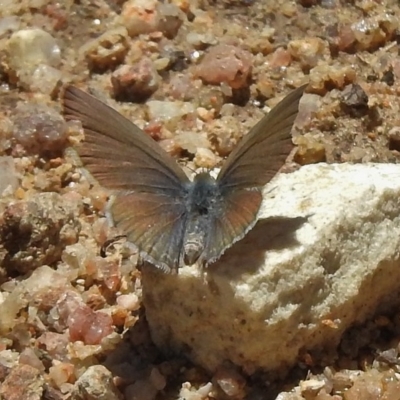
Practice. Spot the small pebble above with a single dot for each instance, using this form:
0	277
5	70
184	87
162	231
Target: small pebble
167	110
135	82
31	47
107	51
230	381
354	100
39	128
27	49
146	16
96	383
309	51
226	63
89	326
309	151
325	77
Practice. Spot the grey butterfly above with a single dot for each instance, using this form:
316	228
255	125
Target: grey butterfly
171	219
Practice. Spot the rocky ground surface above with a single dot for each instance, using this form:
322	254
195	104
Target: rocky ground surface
195	76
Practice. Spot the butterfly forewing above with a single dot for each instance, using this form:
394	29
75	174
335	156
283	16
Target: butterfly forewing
263	151
118	153
150	187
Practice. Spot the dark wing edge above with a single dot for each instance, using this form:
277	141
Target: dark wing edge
262	152
115	151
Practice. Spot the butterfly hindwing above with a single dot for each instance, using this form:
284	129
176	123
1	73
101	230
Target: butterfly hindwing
154	224
239	216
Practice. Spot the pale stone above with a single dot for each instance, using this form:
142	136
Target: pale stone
96	383
31	47
44	281
324	256
167	110
45	79
33	54
146	16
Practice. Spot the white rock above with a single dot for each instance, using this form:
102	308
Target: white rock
293	283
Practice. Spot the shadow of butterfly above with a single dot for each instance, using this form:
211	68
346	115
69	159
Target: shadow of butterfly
170	219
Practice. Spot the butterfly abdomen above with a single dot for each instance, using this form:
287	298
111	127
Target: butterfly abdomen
203	202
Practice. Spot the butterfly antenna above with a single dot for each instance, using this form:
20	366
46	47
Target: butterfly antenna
108	243
190	169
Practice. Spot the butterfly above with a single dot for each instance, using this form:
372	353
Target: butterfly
170	219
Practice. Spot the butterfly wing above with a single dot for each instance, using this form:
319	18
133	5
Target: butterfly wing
263	151
117	152
253	163
150	186
238	217
153	225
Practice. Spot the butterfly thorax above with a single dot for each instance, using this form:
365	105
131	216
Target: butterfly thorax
203	203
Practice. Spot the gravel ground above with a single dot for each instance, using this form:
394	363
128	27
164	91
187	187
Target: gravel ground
195	76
